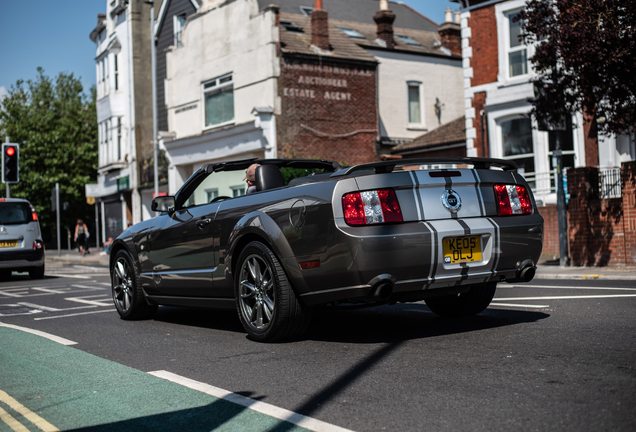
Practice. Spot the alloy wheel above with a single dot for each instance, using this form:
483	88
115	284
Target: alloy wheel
122	285
257	292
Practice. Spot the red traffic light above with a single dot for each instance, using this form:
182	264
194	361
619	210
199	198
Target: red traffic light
10	151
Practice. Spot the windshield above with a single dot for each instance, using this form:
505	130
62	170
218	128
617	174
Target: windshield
13	213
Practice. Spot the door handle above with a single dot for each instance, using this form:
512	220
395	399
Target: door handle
203	222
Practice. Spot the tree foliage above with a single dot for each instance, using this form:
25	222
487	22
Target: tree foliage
55	124
585	59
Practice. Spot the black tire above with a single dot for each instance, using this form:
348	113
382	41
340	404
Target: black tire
267	305
36	272
127	293
474	301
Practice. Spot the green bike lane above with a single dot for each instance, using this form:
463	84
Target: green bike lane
45	385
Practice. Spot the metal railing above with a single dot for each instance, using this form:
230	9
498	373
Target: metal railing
609	183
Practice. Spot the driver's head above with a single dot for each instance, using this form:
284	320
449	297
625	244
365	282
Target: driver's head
250	174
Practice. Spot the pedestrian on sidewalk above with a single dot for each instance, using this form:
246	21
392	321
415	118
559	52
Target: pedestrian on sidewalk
80	236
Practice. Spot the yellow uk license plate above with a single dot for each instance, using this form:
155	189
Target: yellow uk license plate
462	249
8	243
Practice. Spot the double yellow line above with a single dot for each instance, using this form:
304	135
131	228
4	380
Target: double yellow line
25	412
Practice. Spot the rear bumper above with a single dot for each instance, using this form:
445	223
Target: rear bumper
21	260
409	257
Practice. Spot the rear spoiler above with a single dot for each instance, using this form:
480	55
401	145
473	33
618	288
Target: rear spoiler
382	167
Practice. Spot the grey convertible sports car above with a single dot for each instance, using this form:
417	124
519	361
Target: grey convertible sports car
443	230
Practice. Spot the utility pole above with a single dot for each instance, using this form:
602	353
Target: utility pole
57	216
153	55
8	192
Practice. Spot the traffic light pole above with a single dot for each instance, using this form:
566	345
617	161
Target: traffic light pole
8	193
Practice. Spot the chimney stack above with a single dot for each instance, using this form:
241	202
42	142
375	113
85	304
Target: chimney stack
320	27
384	19
450	34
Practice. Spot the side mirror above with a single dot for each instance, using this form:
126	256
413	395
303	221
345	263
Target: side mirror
162	203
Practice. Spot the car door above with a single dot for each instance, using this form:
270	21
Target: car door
184	250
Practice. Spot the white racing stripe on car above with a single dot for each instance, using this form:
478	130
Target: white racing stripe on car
264	408
480	197
49	336
496	248
416	197
434	252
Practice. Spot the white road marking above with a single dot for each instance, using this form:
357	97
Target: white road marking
72	315
568	287
52	291
74	276
84	299
519	305
49	336
565	297
87	287
12	294
261	407
52	309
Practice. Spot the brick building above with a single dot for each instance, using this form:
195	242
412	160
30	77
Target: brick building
346	83
497	74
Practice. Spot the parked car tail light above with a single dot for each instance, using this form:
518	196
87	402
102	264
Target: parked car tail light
512	200
38	244
371	207
34	215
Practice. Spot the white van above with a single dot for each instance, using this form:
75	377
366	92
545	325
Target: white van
21	245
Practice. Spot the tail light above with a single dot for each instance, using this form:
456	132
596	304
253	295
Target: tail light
512	200
38	244
371	207
34	215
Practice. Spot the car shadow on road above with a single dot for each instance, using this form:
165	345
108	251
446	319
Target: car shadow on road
383	324
226	320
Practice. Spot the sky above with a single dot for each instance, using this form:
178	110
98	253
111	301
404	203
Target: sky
54	34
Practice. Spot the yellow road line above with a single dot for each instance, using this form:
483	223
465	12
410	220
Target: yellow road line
13	423
28	414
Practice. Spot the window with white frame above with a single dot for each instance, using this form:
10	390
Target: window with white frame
178	24
517	145
218	100
516	49
237	190
106	85
119	149
416	116
211	194
116	64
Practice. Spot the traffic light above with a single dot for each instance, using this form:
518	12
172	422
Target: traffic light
10	163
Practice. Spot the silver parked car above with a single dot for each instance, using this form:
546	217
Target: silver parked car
445	231
21	245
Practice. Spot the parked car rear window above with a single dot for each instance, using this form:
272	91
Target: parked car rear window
13	213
